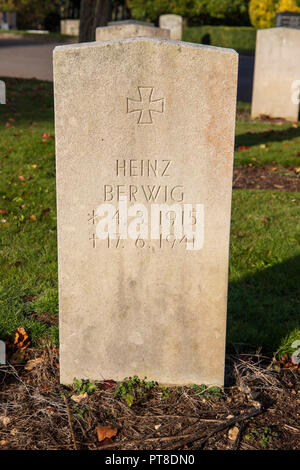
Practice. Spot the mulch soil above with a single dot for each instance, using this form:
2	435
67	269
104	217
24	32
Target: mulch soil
266	178
259	410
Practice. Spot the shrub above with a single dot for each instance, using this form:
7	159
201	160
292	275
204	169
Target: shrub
262	13
31	13
228	11
240	38
231	12
288	5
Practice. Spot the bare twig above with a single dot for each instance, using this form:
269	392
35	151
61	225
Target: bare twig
245	416
193	438
291	428
238	437
70	422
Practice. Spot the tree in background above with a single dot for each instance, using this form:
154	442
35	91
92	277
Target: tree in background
195	11
7	5
150	10
262	13
32	14
93	13
288	5
230	12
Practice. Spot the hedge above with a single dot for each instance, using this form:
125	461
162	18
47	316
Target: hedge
240	38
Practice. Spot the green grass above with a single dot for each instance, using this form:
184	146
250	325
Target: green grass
28	263
240	38
20	33
267	143
264	287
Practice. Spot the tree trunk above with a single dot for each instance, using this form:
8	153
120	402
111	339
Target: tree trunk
93	13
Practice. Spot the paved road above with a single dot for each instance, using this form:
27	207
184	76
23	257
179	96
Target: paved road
33	59
26	59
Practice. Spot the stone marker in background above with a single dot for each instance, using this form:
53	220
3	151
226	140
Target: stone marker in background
131	21
288	19
130	29
276	73
174	24
70	27
2	92
144	148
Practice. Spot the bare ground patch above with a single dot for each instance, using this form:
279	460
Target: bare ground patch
266	178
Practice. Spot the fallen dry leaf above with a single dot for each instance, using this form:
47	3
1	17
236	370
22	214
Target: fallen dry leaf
107	384
233	433
5	420
79	398
243	147
105	432
21	340
33	217
33	363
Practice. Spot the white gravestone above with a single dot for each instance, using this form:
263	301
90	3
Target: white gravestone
277	74
174	24
130	29
144	149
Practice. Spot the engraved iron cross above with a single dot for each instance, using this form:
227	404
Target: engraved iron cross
145	106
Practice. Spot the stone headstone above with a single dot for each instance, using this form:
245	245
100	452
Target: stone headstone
131	21
2	352
276	72
8	20
144	148
288	19
130	29
70	27
2	92
174	24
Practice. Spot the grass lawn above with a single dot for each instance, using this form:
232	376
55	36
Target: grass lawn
18	33
265	142
264	290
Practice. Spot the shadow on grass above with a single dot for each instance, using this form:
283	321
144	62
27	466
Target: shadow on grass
271	135
263	308
27	101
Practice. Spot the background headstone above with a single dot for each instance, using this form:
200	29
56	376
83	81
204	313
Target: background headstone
8	20
70	27
277	67
2	352
2	92
144	121
130	29
174	24
288	19
131	21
